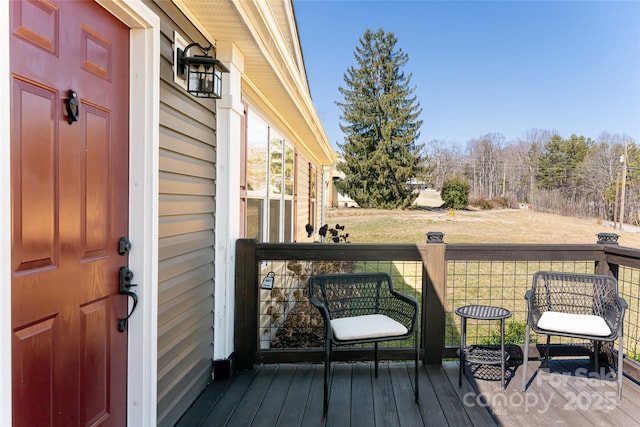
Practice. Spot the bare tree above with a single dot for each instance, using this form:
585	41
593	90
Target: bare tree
514	172
534	139
484	154
597	176
444	160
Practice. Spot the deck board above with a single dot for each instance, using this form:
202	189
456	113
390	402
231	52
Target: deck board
361	396
385	411
294	406
245	412
291	395
453	408
339	413
313	409
432	413
275	396
478	413
408	411
228	401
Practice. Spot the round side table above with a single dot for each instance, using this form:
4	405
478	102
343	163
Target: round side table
476	354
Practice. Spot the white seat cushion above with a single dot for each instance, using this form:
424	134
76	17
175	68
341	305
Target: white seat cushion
580	324
367	326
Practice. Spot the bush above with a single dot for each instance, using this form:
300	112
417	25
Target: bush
485	204
494	203
503	202
514	334
455	193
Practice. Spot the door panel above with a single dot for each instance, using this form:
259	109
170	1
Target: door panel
33	357
69	209
95	191
94	363
34	203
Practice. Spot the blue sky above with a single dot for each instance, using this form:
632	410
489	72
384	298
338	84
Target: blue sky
482	67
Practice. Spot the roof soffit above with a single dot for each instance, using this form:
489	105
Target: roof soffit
266	33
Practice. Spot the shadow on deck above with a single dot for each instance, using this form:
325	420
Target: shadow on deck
291	395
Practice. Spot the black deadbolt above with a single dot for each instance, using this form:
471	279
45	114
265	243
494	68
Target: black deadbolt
124	246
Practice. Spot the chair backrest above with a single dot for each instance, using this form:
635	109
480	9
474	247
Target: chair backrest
574	293
353	294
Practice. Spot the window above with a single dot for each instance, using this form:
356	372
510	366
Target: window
275	164
257	134
274	220
289	166
312	195
257	137
288	221
270	183
255	213
289	172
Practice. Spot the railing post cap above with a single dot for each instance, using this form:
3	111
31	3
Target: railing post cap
435	237
608	238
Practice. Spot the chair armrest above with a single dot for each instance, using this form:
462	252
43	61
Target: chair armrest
321	307
325	315
533	309
411	302
408	298
528	295
621	308
613	314
622	302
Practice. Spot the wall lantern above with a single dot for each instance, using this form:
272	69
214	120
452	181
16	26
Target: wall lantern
202	72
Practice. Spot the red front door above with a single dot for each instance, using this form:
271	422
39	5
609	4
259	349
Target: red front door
69	209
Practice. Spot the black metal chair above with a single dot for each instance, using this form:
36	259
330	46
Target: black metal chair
362	308
584	306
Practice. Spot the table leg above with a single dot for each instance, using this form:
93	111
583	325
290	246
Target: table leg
502	361
463	339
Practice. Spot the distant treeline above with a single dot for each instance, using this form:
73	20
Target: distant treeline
573	176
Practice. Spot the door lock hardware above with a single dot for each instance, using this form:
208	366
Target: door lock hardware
126	276
73	107
124	246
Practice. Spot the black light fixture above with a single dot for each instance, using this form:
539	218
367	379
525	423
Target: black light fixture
202	72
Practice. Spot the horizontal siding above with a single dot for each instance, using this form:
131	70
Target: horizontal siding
172	226
183	263
174	246
180	360
186	231
172	204
190	305
184	165
185	388
179	102
174	287
187	146
189	319
172	183
180	122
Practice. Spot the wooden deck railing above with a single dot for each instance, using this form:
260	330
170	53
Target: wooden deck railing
449	275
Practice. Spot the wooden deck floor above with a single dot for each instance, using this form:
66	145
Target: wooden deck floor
291	395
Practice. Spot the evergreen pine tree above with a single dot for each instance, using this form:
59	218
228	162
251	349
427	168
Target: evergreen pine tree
380	122
558	165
